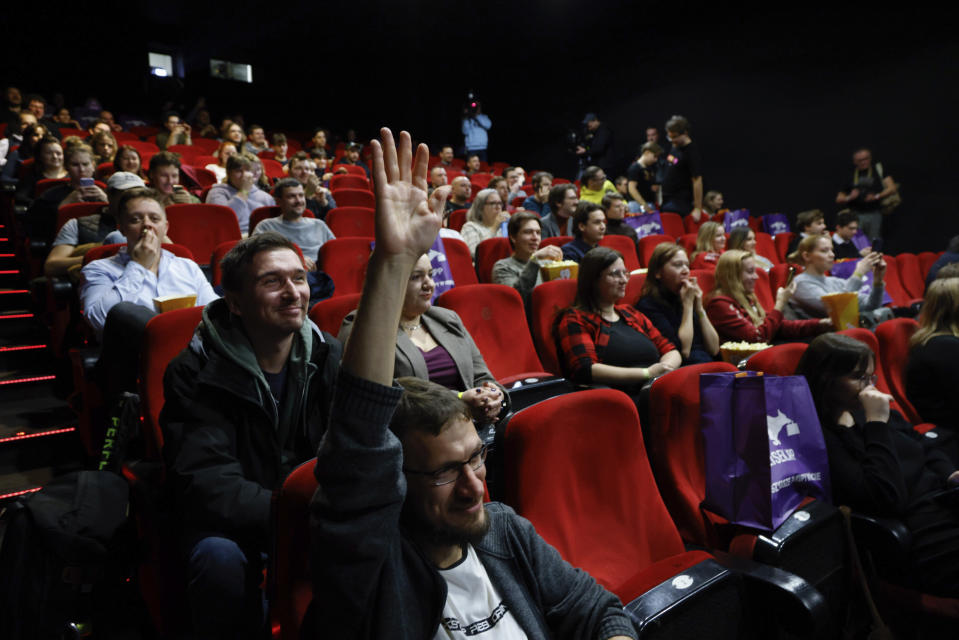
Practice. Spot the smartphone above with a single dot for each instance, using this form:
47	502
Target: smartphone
790	274
87	182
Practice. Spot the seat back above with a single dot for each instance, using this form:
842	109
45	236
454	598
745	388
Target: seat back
648	244
351	222
201	227
328	314
569	459
705	278
869	338
272	169
910	275
547	301
494	317
45	184
893	285
221	250
77	210
674	443
634	288
766	246
344	260
487	253
672	224
893	338
460	261
290	582
688	243
558	241
626	246
349	181
166	335
782	241
926	260
354	198
457	219
691	225
778	360
763	291
778	275
351	169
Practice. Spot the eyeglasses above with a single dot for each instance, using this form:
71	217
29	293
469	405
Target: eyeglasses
868	379
453	471
618	274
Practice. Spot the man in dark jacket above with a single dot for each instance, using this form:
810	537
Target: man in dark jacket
403	544
244	404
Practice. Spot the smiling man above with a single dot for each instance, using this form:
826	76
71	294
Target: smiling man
309	234
245	403
403	544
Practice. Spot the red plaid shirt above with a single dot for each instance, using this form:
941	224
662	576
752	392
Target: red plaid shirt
582	337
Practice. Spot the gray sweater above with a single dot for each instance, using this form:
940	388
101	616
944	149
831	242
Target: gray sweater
807	302
372	581
522	276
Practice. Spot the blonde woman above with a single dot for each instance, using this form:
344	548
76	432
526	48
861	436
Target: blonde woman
932	371
735	312
710	243
485	216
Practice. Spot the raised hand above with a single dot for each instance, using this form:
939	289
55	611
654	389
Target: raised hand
405	224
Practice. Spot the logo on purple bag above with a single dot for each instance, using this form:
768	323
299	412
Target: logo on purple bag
775	424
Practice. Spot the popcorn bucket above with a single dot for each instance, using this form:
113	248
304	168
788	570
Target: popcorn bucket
559	270
843	309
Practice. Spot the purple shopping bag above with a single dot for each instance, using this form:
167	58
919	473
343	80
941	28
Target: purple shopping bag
737	218
763	445
860	241
774	223
844	268
646	224
441	273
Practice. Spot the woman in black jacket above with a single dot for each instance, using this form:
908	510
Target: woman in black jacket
878	464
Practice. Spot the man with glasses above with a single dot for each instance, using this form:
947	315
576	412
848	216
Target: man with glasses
403	544
595	185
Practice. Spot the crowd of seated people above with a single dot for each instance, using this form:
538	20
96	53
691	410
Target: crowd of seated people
600	340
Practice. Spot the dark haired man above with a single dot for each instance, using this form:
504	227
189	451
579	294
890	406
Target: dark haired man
562	204
244	404
614	206
446	156
164	176
403	544
352	156
38	107
643	177
256	140
847	224
589	227
309	234
176	131
683	179
596	148
539	202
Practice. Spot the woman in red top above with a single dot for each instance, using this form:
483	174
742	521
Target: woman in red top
710	243
736	313
603	342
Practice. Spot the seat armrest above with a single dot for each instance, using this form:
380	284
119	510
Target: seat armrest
796	606
886	537
803	521
652	610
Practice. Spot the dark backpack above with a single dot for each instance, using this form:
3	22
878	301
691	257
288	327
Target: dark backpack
61	542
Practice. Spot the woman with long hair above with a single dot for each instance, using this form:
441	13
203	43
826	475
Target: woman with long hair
710	243
128	159
736	312
818	258
878	463
602	341
745	238
932	371
673	301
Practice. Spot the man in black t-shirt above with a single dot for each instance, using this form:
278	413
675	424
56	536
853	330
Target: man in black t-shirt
683	182
643	182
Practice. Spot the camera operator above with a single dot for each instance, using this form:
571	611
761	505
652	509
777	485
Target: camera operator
595	145
476	124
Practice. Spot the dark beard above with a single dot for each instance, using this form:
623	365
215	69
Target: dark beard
445	536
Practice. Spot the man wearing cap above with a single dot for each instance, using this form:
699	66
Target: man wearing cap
597	142
352	156
79	235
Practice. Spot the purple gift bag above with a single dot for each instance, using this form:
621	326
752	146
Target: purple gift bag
763	445
860	241
646	224
441	273
735	219
844	268
774	223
